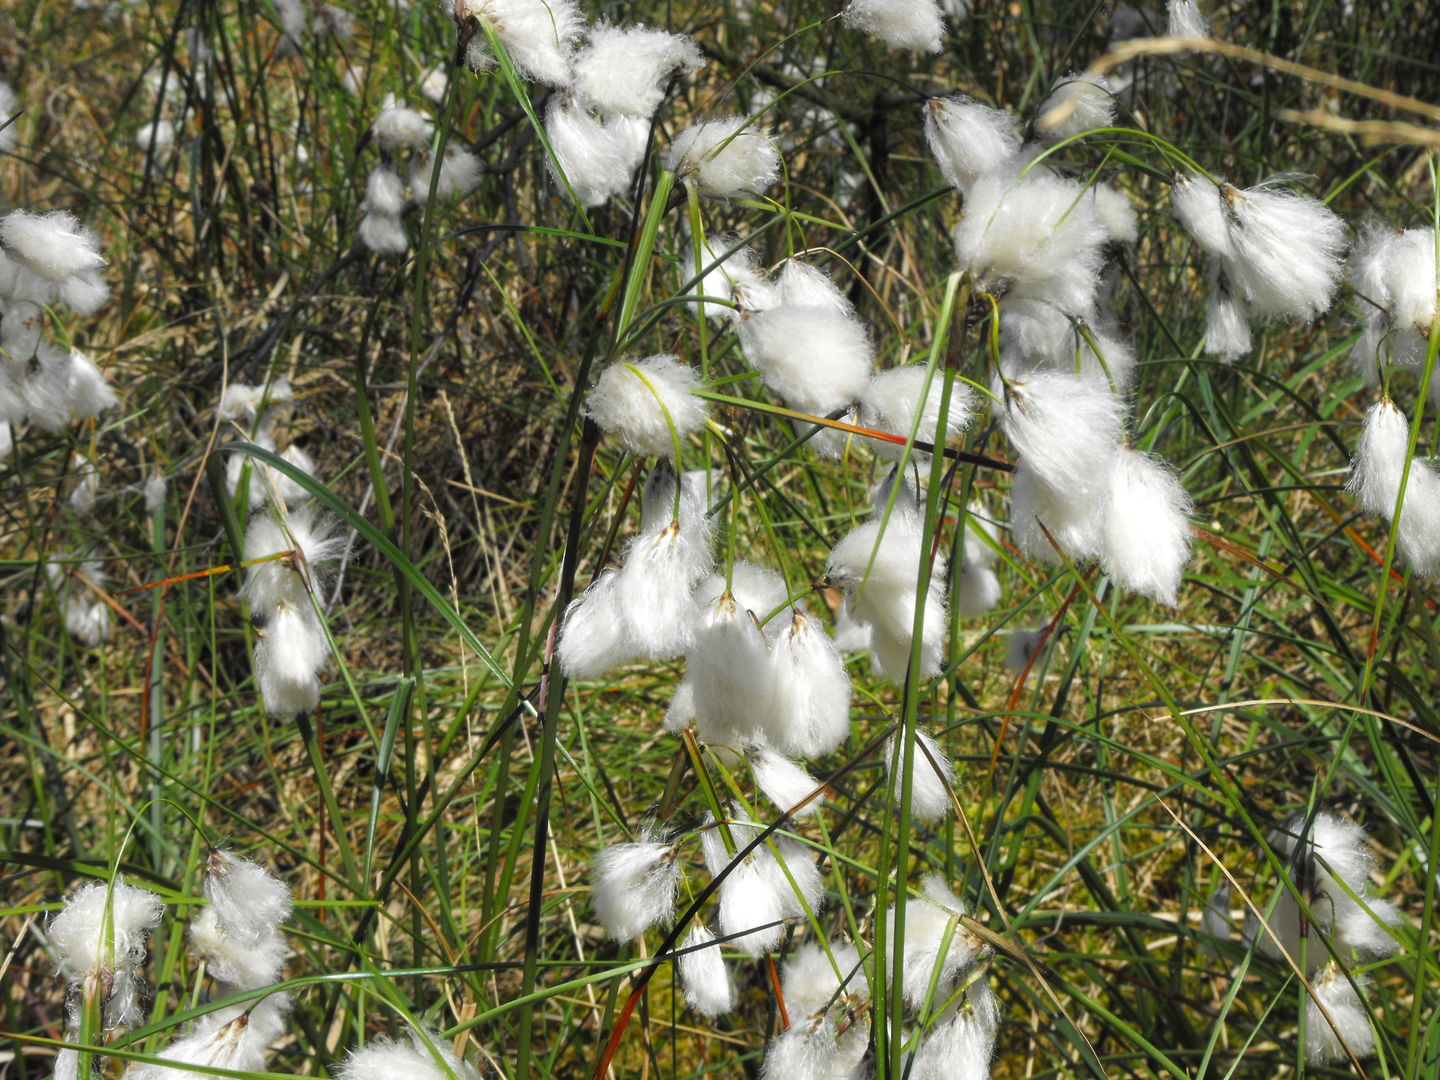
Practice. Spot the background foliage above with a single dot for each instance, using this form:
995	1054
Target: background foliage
436	819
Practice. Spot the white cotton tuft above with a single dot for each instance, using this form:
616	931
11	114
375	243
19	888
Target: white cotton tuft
810	710
1335	865
250	902
1146	540
219	1040
803	285
1034	236
736	279
1022	648
1285	251
644	610
812	1050
9	107
401	128
1036	336
960	1047
1227	322
538	35
977	590
434	84
792	873
704	978
1074	521
594	157
289	655
333	21
593	637
902	24
1066	428
1183	19
240	964
52	245
1380	460
784	783
383	234
730	668
459	173
932	777
641	401
750	908
1077	103
893	399
1326	1040
812	978
239	400
103	929
156	487
926	956
624	70
722	160
815	358
1116	213
287	580
87	487
877	565
1394	274
90	392
1201	210
1375	475
969	139
155	138
634	887
384	191
427	1057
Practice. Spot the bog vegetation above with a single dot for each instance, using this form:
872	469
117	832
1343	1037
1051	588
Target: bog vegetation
549	539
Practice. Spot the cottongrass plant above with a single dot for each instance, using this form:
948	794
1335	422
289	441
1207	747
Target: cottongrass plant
758	693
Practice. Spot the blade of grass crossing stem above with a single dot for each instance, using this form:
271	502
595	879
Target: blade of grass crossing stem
639	274
399	706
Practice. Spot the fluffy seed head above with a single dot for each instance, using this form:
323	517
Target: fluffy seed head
623	70
595	157
704	979
1077	103
634	887
1201	211
892	401
1183	19
1066	428
51	245
1326	1040
1036	236
414	1057
736	279
816	359
641	401
103	929
902	24
877	566
401	128
538	35
932	776
1146	540
459	173
722	160
968	139
1285	251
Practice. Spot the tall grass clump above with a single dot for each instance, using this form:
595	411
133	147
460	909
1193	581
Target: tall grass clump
553	539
